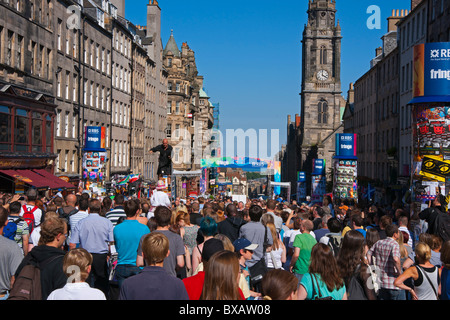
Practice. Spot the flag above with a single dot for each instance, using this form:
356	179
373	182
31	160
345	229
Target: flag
133	177
123	181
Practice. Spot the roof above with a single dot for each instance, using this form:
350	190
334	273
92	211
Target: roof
203	94
172	46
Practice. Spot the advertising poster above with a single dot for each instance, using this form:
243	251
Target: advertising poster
301	186
345	179
345	167
431	76
318	188
432	131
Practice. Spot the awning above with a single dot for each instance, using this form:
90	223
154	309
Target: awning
29	177
430	99
61	184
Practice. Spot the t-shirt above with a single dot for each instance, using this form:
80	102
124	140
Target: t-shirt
77	291
127	236
115	214
22	229
306	282
10	258
153	283
176	247
305	242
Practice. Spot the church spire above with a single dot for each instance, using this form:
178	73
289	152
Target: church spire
172	46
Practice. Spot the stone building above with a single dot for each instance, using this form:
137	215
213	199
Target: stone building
28	71
155	108
412	30
322	103
189	111
121	99
83	80
376	110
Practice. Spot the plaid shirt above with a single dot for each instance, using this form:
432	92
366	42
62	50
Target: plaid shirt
383	253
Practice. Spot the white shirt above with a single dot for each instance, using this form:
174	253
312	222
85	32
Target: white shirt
410	241
77	291
37	214
160	198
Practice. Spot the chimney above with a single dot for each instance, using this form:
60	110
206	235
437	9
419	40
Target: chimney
297	121
415	3
378	51
394	18
351	93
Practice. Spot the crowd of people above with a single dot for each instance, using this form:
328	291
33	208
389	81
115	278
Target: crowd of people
124	248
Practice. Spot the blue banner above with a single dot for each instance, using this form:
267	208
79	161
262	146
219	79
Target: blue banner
346	146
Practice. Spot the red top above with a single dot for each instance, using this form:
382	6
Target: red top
194	286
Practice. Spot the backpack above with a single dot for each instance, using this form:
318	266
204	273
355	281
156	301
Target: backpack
442	226
10	229
27	285
28	216
66	216
335	243
355	289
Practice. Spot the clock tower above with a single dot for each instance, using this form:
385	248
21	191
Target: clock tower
321	99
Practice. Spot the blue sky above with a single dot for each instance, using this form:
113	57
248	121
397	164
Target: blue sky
249	51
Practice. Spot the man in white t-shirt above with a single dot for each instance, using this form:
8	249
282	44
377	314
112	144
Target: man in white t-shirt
31	196
159	198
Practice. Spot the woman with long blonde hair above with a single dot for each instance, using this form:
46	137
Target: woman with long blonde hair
275	255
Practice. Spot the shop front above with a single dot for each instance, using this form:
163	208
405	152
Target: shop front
26	141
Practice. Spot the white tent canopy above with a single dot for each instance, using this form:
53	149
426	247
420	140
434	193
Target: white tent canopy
196	173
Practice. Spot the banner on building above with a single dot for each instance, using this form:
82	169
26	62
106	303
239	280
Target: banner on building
346	145
431	69
435	168
318	167
95	139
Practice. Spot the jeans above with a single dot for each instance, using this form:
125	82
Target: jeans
390	294
125	271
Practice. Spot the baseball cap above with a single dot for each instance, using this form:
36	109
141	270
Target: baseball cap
243	243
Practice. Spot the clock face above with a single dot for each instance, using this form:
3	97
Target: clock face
322	75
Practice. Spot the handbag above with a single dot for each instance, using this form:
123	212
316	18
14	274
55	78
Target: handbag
314	296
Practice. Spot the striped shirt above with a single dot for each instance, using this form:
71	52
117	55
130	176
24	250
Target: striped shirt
74	219
115	214
383	253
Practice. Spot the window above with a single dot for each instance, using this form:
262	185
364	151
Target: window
169	130
323	55
19	52
36	131
9	47
323	112
5	128
20	130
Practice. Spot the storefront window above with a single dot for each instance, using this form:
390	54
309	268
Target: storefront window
48	133
21	141
5	128
36	132
25	131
